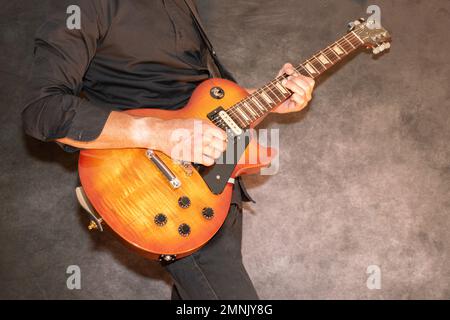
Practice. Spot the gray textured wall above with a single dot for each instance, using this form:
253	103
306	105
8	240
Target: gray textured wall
364	177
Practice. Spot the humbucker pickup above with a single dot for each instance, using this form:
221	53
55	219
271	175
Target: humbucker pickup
227	123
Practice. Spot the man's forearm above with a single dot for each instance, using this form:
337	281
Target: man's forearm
123	131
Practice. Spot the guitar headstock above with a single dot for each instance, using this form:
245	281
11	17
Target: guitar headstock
374	36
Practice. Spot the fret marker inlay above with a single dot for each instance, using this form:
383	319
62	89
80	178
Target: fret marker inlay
243	114
281	88
258	104
247	107
338	50
323	59
264	95
310	68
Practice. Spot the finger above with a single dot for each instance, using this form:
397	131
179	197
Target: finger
311	81
198	156
293	86
293	106
307	84
215	132
211	152
282	108
217	144
287	68
207	161
300	86
298	101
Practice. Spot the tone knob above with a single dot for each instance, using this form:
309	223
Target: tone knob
160	219
184	230
184	202
208	213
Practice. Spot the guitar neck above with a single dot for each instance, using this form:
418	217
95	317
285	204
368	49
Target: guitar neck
271	95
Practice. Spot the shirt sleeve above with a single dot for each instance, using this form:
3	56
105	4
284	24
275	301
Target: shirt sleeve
61	57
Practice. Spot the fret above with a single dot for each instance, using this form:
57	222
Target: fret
331	51
304	69
268	86
257	96
345	38
342	50
247	106
324	59
357	37
242	114
355	41
314	62
310	68
260	107
252	105
329	57
266	97
247	112
281	88
320	63
235	116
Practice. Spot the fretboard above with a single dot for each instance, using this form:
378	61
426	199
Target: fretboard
271	95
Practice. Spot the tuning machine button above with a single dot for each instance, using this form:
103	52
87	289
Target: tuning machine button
377	50
208	213
184	202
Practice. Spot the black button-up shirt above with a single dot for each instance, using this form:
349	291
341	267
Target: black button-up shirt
127	54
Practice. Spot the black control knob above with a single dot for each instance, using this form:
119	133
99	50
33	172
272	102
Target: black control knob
160	219
184	202
208	213
184	230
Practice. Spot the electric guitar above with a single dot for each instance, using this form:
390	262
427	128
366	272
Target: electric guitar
168	209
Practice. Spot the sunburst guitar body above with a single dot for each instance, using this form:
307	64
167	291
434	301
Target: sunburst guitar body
135	199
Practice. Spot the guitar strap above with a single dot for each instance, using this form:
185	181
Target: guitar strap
215	68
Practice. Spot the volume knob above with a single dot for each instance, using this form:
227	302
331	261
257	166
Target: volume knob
184	202
208	213
160	219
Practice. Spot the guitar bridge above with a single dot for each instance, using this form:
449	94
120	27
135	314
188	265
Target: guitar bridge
171	177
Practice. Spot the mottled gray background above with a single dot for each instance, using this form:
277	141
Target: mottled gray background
364	177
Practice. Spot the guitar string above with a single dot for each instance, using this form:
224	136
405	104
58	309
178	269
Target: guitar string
346	43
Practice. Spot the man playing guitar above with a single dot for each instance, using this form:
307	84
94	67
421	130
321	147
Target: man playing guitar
135	54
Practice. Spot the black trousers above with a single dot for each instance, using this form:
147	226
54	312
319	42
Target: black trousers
216	271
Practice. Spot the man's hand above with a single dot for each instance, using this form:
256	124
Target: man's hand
182	139
191	140
301	87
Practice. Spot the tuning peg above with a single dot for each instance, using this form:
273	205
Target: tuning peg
377	50
351	26
362	20
381	48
